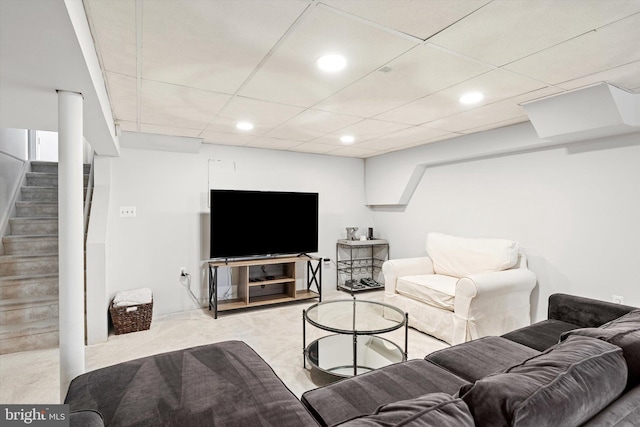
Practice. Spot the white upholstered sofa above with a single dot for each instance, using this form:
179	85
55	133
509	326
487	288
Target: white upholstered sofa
466	288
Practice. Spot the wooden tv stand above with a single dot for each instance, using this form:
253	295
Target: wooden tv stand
265	281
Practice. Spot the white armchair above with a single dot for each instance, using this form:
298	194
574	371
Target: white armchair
465	289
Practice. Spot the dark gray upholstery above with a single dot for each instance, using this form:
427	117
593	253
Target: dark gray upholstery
478	358
584	312
224	384
86	418
623	332
363	394
564	386
542	335
436	409
624	412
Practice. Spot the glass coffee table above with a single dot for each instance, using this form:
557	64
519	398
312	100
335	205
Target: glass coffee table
354	348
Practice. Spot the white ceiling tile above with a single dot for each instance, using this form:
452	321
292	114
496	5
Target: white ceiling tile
178	106
312	147
223	138
418	18
273	143
590	53
354	152
490	113
502	123
114	27
506	30
423	70
128	126
402	138
362	131
312	124
167	130
625	76
123	93
211	45
495	85
290	75
263	115
436	139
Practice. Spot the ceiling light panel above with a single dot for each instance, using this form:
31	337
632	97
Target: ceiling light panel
114	25
576	57
312	124
290	75
419	72
264	115
496	85
504	31
418	18
178	106
211	45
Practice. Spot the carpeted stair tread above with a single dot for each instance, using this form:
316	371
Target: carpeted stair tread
28	328
33	301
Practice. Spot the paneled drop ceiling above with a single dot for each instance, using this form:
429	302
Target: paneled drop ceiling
195	68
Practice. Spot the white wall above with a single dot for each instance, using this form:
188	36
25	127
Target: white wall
169	191
574	209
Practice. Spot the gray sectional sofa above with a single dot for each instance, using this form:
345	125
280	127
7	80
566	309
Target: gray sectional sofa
581	366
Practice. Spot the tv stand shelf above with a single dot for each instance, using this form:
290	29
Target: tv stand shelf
265	281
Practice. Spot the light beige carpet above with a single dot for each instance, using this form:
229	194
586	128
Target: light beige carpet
275	333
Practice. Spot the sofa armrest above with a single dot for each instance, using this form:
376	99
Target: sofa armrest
392	269
584	312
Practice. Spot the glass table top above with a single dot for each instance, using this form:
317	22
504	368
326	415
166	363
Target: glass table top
362	317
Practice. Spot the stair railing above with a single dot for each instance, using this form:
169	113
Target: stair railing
13	173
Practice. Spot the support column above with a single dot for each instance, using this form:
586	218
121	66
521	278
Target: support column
71	237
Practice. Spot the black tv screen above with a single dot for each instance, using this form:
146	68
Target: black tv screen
262	223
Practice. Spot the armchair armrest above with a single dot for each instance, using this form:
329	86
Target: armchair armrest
496	283
392	269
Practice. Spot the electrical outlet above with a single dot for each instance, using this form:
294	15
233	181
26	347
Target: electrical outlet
183	271
127	211
618	299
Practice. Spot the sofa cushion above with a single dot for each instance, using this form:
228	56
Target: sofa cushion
463	256
566	385
481	357
541	335
436	290
218	384
436	409
623	332
361	395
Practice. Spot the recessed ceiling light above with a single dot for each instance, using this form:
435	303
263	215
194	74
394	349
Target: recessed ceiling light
244	125
471	98
347	139
331	63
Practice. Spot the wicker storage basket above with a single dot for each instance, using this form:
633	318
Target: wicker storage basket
132	318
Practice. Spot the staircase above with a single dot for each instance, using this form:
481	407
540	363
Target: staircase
29	266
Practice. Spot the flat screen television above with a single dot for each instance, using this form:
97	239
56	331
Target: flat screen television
262	223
